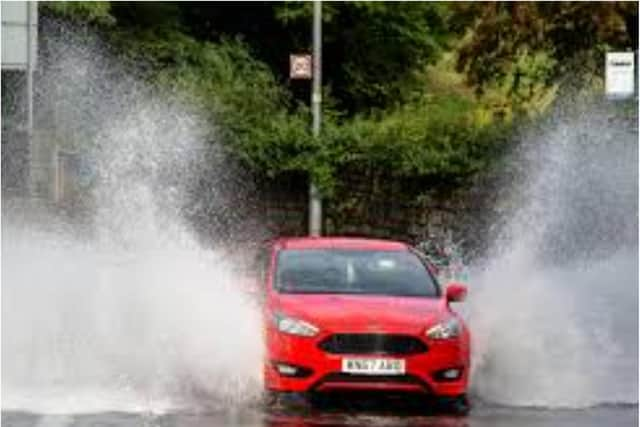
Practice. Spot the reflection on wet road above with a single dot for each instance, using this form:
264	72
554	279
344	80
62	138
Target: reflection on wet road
480	417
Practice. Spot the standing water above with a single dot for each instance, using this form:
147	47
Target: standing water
134	310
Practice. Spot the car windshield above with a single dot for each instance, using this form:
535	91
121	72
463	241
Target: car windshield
397	273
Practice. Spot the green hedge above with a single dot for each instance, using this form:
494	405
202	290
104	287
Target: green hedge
255	116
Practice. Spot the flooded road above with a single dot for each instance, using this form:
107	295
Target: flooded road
136	307
480	417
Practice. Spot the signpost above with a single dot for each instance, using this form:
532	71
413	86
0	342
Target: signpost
306	67
19	52
620	75
315	202
300	67
19	34
19	43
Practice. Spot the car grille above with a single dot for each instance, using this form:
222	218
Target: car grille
338	377
372	344
355	378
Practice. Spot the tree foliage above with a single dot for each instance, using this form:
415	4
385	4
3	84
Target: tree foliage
83	11
528	47
373	50
417	89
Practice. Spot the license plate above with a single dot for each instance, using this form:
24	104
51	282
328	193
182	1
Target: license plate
373	366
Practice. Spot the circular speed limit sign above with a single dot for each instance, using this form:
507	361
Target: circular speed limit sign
300	66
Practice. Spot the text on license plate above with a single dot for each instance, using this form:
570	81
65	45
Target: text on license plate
373	366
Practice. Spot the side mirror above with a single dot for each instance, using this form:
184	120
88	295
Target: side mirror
456	292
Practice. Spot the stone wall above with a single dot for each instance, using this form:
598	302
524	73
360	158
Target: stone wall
364	203
383	206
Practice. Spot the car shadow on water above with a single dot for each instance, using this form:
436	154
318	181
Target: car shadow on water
356	409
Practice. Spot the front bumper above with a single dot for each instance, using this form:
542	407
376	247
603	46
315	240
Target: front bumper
322	370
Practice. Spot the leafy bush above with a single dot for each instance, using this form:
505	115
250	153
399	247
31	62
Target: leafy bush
443	134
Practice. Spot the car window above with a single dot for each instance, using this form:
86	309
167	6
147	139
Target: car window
399	273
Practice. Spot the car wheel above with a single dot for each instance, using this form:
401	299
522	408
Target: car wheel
458	405
287	400
322	401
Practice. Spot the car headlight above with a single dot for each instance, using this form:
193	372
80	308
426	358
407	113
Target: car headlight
444	330
290	325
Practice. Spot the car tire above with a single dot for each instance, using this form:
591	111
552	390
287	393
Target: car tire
458	405
287	400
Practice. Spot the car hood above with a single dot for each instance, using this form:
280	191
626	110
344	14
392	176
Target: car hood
362	313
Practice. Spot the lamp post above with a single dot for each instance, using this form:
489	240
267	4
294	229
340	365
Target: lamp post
315	201
32	40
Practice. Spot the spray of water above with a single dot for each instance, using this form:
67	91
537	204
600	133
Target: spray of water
135	310
128	310
554	306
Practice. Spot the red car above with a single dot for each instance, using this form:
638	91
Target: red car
349	314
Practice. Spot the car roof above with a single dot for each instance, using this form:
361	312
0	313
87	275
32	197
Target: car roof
336	242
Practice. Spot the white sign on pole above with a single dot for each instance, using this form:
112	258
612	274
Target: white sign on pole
19	30
300	66
619	75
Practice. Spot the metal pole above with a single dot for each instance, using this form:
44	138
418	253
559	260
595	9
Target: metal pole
315	201
32	12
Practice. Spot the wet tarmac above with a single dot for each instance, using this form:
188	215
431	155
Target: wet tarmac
485	415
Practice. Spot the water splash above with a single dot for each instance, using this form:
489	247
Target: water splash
554	307
128	310
131	311
447	256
